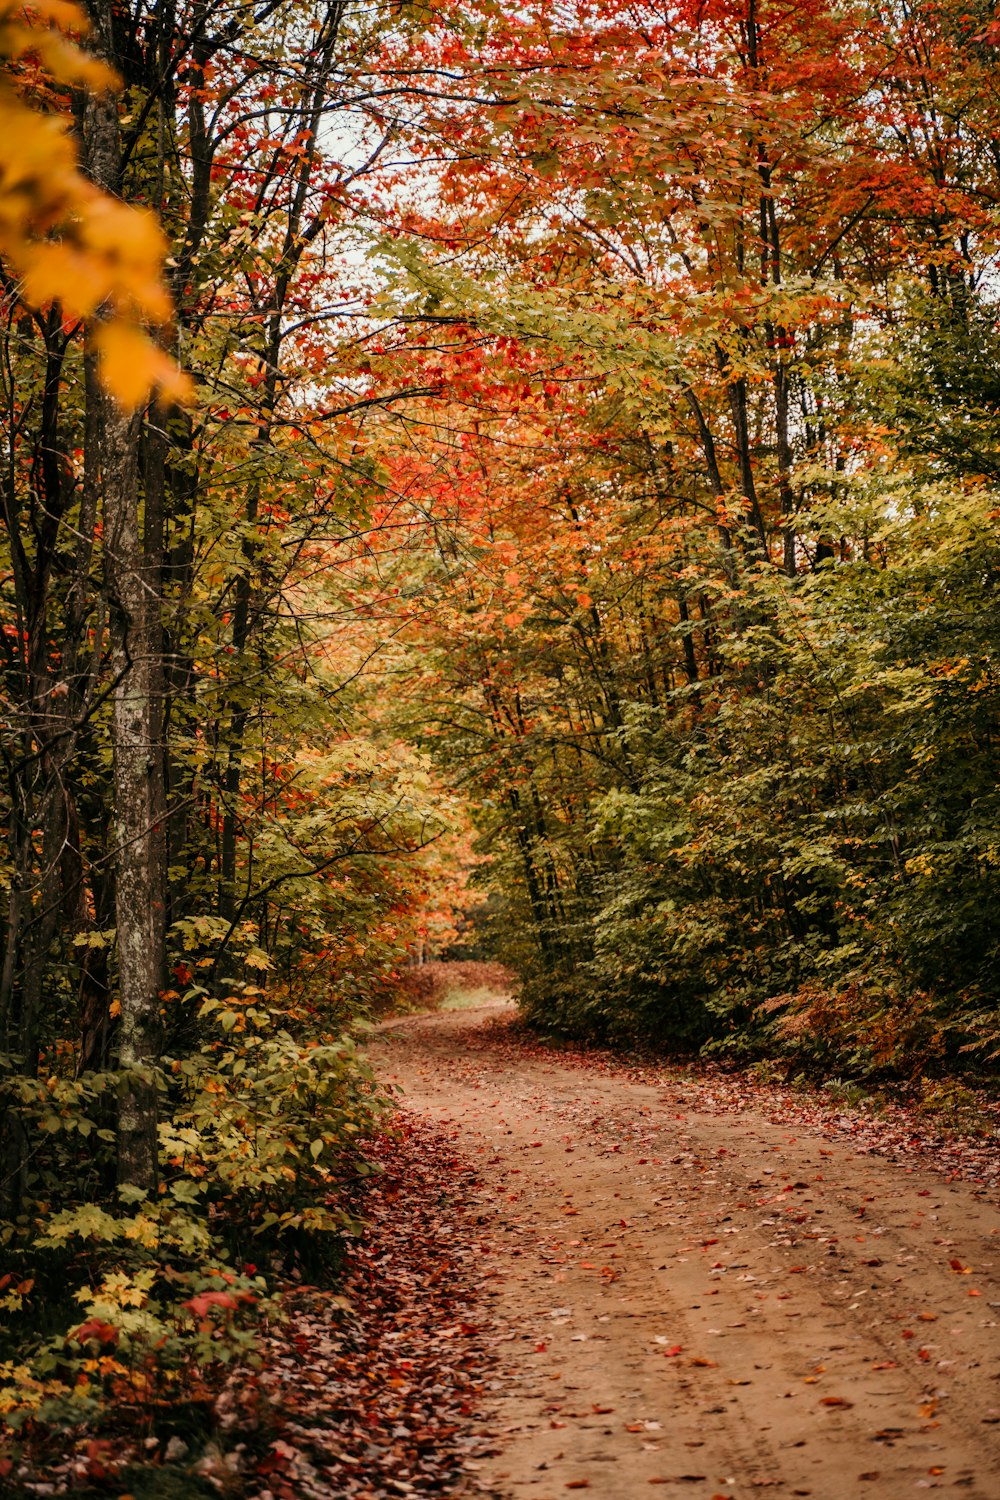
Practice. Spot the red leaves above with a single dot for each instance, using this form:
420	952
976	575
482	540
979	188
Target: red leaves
200	1305
97	1330
381	1396
98	1461
21	1288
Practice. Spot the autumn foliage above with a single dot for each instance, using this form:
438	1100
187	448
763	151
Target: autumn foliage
585	452
706	521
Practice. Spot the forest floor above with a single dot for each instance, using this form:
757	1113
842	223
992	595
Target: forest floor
693	1282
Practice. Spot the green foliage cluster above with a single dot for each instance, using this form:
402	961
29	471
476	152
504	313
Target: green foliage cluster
832	831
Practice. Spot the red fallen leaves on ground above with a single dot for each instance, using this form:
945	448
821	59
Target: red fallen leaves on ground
380	1399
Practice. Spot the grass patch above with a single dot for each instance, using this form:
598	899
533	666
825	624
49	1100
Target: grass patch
463	999
452	986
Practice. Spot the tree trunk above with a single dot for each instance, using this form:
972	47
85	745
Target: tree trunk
138	794
132	581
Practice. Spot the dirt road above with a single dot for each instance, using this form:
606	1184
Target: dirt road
710	1302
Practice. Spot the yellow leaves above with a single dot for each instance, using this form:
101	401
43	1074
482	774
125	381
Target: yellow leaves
258	960
21	1391
66	240
131	365
21	35
143	1231
104	1366
121	1290
130	240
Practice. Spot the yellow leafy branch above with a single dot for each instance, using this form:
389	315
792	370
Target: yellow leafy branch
64	239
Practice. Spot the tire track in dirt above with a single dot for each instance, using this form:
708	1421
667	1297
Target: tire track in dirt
712	1304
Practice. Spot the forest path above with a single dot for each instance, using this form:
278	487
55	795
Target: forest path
706	1301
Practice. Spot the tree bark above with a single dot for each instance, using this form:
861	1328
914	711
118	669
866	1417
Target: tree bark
138	795
132	580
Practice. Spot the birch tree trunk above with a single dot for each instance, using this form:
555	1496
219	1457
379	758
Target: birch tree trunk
132	582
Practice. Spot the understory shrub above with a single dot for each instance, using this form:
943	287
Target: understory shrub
137	1300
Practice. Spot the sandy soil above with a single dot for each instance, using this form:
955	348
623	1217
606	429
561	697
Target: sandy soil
710	1303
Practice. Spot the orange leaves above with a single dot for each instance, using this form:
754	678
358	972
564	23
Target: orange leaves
21	36
67	241
131	365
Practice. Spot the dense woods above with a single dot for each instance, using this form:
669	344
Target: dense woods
714	521
554	448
